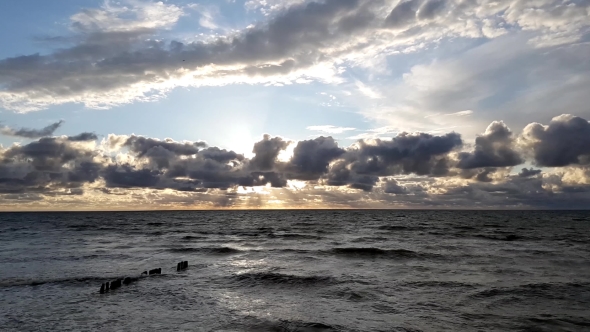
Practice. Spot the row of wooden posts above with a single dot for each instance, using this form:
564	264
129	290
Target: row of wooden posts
112	285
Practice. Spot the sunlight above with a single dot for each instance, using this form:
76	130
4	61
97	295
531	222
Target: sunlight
287	154
239	139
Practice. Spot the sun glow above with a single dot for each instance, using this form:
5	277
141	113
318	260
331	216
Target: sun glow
287	154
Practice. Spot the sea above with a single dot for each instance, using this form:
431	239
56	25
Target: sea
296	270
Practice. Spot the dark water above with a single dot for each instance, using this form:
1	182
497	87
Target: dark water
297	271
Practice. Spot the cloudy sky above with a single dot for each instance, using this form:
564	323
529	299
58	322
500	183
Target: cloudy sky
140	104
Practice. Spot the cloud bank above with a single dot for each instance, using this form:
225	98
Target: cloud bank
409	170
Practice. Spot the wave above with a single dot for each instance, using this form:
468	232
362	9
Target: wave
350	295
541	290
438	284
38	282
270	278
296	236
510	237
251	323
207	250
369	239
376	252
395	228
559	323
193	237
467	228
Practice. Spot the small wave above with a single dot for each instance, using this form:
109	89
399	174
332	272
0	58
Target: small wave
208	250
437	284
467	228
270	278
369	239
571	322
296	236
394	228
376	252
350	295
257	324
193	237
543	290
39	282
510	237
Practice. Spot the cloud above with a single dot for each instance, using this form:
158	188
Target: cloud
393	187
461	113
311	158
83	137
115	55
208	15
266	152
142	145
31	133
495	148
367	91
329	129
526	172
565	141
416	169
420	153
126	15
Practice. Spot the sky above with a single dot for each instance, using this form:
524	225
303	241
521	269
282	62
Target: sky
229	104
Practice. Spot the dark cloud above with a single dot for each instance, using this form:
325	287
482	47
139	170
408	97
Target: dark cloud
565	141
221	155
142	145
311	158
340	175
47	153
83	137
266	152
430	9
526	172
403	14
421	154
393	187
31	133
86	171
127	176
495	148
46	165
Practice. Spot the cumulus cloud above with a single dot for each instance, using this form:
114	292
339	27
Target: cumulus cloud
266	152
311	158
565	141
415	169
495	148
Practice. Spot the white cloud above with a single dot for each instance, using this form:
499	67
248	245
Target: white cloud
268	7
330	129
367	91
127	15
